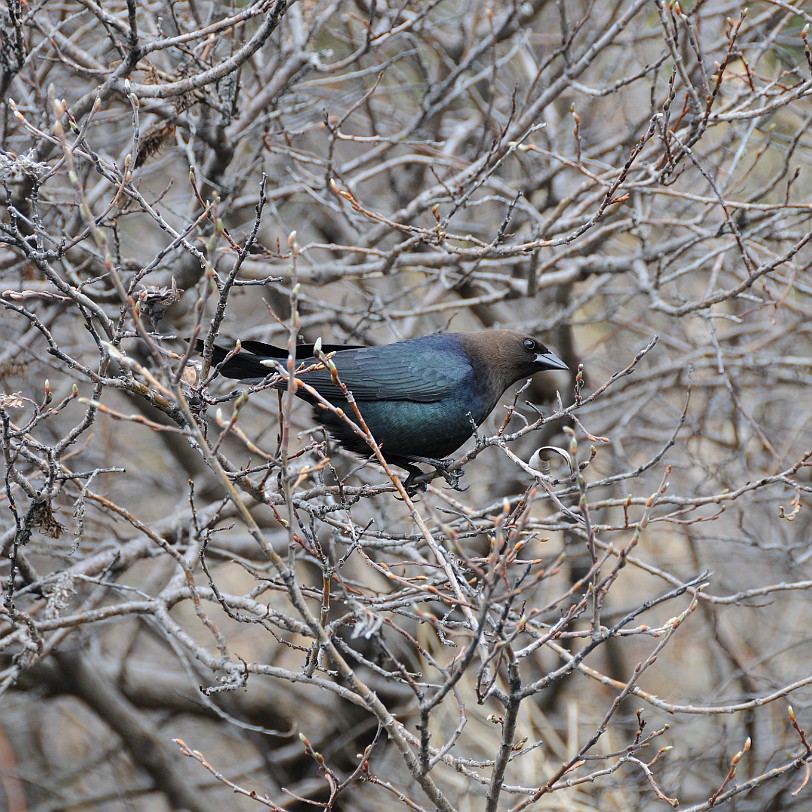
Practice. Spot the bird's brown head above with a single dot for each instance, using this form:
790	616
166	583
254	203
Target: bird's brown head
507	356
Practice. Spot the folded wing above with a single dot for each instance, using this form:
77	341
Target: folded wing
381	373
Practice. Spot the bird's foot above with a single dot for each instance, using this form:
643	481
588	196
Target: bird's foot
453	479
418	479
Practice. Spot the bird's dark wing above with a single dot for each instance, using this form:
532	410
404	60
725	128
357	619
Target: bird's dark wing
423	370
393	373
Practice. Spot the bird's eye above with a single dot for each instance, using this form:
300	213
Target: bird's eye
529	344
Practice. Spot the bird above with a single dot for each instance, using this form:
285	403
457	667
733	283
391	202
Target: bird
421	398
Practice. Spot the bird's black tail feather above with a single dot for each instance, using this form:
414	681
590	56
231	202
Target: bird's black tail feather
247	363
243	365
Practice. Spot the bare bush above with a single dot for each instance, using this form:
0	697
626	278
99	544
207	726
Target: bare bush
612	616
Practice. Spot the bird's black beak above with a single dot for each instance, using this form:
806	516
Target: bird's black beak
548	360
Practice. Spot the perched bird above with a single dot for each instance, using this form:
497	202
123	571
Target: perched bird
420	398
